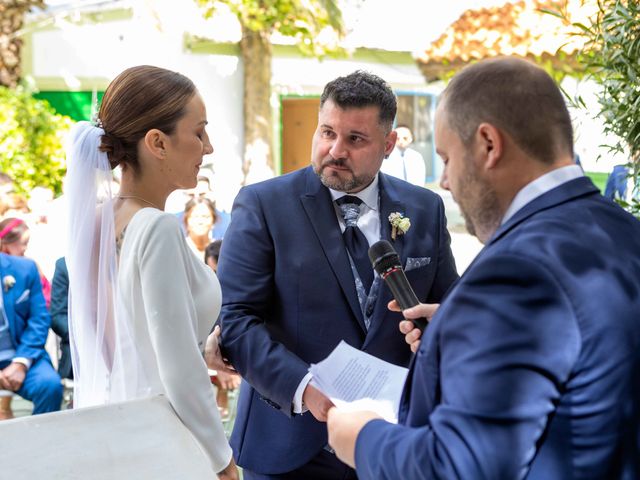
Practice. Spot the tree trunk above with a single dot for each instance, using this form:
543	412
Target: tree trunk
257	162
11	20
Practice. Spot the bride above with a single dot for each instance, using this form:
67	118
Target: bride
141	304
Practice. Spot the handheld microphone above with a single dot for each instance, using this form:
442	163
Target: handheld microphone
386	262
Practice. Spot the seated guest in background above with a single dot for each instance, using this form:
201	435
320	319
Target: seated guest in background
25	367
531	366
14	240
14	236
405	162
199	217
60	317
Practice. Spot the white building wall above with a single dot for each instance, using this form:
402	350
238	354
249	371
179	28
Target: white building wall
84	54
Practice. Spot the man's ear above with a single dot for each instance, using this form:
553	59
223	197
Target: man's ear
490	142
390	142
156	142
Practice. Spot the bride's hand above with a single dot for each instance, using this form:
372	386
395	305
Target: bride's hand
213	355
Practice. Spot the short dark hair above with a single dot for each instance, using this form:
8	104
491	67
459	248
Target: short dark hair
362	89
517	97
212	250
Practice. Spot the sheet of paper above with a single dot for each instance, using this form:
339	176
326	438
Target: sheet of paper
355	380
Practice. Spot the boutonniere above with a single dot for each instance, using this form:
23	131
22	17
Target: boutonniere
399	224
7	282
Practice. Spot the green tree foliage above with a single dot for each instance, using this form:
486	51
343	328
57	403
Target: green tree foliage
611	58
316	25
31	140
303	20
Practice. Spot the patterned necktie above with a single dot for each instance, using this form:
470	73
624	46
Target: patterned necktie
354	239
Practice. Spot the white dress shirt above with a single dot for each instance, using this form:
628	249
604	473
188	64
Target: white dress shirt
408	165
541	185
369	225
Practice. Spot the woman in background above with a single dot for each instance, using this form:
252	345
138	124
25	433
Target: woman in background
199	217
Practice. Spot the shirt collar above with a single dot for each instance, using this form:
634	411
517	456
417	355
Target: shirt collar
541	185
369	195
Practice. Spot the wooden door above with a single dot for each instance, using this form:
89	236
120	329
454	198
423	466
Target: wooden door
299	122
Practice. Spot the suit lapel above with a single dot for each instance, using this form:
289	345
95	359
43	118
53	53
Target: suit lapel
8	295
318	206
389	203
570	190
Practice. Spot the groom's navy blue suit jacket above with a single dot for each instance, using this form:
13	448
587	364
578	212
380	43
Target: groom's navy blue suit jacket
289	298
531	366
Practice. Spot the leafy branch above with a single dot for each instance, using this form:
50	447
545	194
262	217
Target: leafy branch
611	58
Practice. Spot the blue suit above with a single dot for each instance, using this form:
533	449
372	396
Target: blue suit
289	298
531	366
60	315
29	322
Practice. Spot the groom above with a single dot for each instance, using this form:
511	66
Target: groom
296	279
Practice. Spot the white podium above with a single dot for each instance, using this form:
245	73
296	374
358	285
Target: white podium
141	439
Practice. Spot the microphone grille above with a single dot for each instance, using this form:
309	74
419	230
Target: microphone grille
383	256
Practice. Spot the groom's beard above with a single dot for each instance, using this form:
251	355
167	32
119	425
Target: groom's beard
342	181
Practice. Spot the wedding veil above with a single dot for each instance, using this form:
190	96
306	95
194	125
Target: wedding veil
106	365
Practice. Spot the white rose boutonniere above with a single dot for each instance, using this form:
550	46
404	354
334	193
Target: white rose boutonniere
399	224
7	282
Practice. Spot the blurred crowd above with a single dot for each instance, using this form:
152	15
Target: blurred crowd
35	227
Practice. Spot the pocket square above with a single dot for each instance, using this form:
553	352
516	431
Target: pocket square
24	296
416	262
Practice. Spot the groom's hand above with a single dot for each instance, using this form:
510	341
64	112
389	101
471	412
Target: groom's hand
213	355
317	403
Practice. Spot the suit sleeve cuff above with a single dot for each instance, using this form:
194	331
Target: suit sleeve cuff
367	448
298	407
22	360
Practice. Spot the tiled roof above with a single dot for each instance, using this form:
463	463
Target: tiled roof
519	28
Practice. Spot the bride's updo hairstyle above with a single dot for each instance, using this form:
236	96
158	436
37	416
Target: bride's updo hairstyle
138	100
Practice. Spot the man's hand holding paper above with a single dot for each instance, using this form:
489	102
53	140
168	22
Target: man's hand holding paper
354	380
